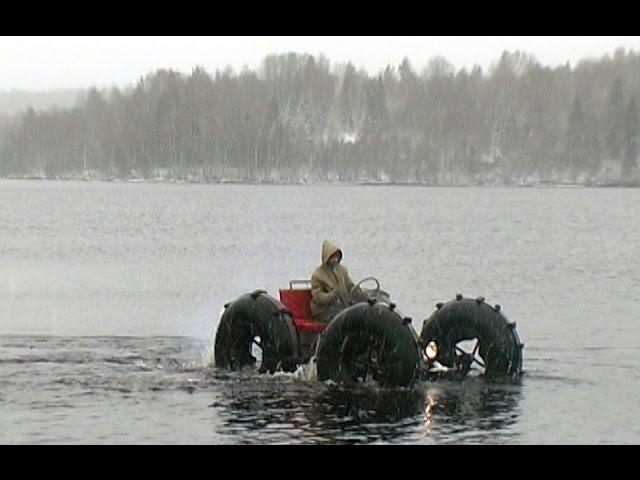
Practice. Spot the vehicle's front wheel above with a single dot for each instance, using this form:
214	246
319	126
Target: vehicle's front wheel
369	341
493	346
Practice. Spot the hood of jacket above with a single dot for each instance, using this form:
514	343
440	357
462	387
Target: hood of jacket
328	249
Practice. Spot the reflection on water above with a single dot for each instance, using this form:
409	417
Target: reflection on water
316	413
472	411
278	410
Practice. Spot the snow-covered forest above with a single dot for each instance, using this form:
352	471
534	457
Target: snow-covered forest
299	118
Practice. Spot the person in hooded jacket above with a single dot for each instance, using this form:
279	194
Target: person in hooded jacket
331	286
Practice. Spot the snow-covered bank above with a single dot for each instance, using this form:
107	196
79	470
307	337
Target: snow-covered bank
631	181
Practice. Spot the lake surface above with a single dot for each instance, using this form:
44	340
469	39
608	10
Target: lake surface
110	295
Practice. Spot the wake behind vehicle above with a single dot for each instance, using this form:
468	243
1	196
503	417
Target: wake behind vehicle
369	340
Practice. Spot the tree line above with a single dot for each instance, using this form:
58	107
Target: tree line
298	118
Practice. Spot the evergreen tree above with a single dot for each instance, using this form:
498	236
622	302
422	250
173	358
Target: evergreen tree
615	121
298	116
631	132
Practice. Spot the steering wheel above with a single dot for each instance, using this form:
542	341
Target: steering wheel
357	285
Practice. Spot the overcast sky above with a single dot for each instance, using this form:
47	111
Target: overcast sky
41	63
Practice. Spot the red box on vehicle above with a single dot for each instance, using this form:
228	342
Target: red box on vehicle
298	301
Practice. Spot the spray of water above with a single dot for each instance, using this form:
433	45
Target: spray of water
307	372
208	357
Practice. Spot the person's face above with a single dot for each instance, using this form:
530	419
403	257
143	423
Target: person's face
335	258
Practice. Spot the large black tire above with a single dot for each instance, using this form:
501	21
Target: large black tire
255	315
364	333
466	319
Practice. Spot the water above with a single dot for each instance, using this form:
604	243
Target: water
110	294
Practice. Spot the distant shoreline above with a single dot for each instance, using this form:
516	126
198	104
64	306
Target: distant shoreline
368	183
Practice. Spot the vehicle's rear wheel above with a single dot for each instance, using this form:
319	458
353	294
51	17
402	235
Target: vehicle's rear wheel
252	321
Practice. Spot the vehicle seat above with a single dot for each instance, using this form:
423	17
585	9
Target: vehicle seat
298	301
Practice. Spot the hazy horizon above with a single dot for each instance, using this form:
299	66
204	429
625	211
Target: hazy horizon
41	64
